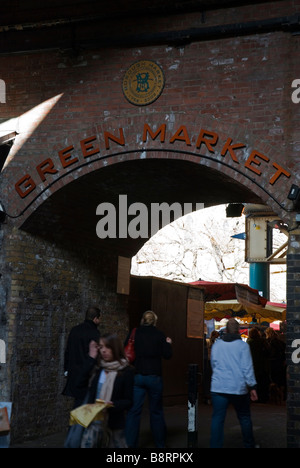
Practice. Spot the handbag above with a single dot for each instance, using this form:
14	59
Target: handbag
96	435
129	348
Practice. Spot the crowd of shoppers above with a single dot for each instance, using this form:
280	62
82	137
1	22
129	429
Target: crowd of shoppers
97	369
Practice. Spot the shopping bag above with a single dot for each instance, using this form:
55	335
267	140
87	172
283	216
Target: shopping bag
81	418
96	435
86	414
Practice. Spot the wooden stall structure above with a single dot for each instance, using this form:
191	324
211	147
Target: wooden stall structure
180	311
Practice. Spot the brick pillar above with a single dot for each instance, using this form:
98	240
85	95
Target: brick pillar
293	333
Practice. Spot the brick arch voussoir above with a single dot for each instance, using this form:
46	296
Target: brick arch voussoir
171	136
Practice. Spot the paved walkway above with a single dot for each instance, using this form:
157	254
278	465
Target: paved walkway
269	423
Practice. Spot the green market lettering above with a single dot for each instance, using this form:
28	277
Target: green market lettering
255	164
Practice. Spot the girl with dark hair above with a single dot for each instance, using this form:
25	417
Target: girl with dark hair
107	376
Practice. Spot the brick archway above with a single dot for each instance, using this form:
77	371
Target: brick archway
55	179
227	149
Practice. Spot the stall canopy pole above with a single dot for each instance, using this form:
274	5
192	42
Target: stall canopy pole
259	278
193	406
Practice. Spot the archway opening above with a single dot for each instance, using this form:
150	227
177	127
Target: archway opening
73	265
70	213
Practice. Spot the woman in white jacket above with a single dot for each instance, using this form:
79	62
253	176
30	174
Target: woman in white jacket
233	381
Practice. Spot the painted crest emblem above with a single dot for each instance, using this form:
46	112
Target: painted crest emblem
143	83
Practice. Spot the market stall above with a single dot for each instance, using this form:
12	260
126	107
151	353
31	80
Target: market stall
219	310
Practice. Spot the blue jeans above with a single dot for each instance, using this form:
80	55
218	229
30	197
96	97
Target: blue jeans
153	386
241	403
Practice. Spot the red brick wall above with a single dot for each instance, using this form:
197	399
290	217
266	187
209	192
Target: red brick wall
238	87
50	289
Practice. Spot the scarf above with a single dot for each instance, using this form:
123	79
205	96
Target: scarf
111	369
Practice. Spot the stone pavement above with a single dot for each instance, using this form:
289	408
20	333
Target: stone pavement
269	423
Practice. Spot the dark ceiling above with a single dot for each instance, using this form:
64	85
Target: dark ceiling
14	12
28	25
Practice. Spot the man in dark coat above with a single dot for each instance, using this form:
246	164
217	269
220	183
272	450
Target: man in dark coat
78	348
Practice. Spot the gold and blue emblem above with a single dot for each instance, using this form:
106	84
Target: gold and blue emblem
143	82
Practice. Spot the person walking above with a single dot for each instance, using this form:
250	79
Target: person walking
259	355
151	346
110	379
277	361
105	375
77	349
233	382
